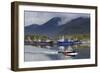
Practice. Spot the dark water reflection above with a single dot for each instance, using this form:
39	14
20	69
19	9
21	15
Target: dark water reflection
82	50
31	53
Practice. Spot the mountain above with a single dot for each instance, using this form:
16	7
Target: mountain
47	28
79	25
52	27
29	29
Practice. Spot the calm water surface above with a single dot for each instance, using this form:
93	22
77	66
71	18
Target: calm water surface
45	53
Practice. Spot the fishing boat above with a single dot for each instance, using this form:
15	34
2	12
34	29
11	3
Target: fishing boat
63	42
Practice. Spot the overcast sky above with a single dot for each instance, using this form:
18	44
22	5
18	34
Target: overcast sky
33	17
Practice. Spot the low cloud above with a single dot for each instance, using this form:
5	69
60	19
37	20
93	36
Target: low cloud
33	17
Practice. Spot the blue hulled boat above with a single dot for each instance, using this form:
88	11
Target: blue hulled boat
63	42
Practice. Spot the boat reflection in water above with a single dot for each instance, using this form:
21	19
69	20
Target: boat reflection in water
50	50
